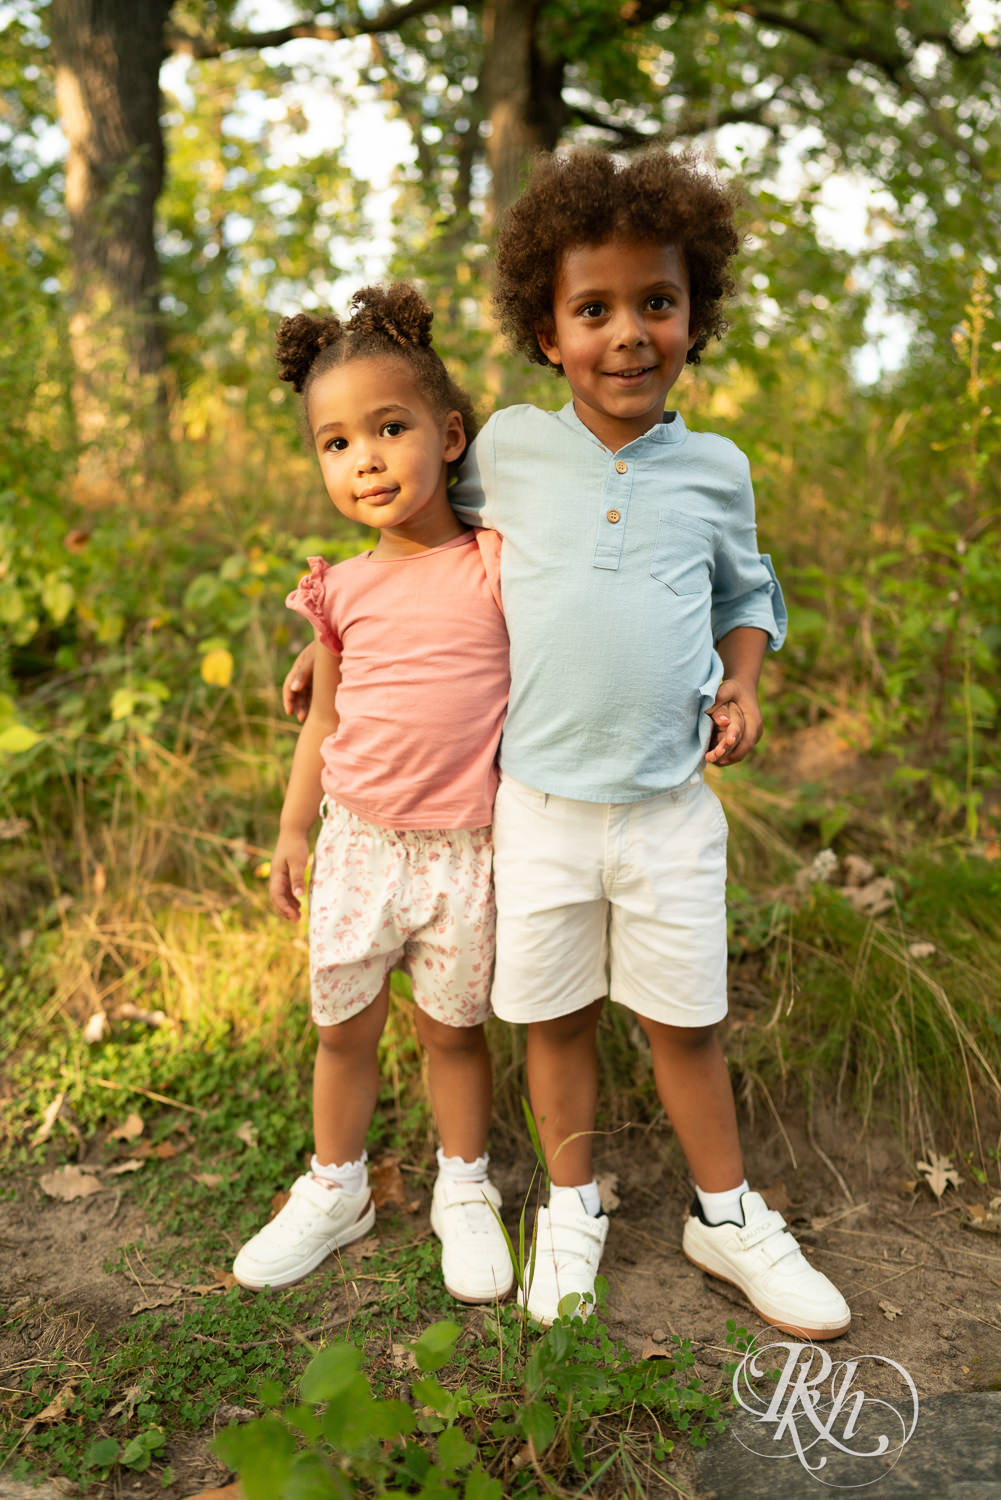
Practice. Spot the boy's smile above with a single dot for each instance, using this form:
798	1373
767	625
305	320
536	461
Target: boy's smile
621	330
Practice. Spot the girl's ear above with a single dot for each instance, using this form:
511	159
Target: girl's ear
455	437
546	336
693	333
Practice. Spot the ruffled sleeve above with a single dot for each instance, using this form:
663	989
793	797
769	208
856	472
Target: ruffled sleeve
313	600
489	543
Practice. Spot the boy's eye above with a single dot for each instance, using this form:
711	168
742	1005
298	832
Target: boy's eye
661	302
337	445
393	429
592	310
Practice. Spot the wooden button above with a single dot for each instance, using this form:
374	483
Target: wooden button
621	467
613	516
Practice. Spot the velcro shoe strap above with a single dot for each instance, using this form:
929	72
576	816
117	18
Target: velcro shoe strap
567	1237
762	1229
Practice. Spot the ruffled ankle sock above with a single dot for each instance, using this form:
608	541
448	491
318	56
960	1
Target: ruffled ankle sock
457	1169
352	1176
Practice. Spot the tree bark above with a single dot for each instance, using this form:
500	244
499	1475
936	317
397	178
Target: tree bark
108	55
524	95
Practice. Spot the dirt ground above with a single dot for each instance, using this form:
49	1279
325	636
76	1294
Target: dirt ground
925	1289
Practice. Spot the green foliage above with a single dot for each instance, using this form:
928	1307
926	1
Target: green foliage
574	1389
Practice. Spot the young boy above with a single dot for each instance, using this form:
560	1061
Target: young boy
639	612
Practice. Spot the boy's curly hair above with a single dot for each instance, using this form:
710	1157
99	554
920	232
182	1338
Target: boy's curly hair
586	197
386	322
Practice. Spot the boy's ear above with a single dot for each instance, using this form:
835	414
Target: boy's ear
546	336
455	437
693	333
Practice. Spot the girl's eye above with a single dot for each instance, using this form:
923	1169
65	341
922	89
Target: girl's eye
393	429
592	310
337	444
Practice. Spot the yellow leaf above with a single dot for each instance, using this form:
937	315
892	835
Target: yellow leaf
217	668
263	870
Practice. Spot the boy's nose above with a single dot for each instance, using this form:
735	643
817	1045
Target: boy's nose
369	463
630	328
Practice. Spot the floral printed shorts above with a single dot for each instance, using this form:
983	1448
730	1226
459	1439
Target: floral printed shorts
417	900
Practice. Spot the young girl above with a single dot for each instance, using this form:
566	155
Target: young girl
398	755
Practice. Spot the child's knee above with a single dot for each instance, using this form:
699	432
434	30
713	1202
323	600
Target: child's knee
457	1041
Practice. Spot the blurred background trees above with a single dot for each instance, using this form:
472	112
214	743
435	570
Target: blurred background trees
177	174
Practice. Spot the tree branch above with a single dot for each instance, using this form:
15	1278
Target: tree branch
231	39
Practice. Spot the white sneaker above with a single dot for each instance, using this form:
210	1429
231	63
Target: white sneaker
568	1246
763	1260
315	1220
475	1259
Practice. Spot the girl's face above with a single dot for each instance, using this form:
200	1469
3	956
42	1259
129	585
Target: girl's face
383	452
621	330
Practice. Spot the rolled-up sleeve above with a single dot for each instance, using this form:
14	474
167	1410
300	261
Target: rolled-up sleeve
746	590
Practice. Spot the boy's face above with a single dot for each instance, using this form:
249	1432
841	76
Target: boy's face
621	330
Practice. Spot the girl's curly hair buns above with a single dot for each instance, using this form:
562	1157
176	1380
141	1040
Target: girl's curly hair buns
587	197
386	322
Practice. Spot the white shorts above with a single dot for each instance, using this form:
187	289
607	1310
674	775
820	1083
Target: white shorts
622	899
417	900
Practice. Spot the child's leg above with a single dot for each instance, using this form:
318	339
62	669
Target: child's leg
460	1084
693	1083
346	1081
561	1061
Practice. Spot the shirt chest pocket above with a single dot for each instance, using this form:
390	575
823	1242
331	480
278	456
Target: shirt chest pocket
684	552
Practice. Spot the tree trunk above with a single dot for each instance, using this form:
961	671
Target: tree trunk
524	95
108	55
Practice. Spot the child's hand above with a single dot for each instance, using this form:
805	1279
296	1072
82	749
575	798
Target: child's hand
736	720
297	689
287	880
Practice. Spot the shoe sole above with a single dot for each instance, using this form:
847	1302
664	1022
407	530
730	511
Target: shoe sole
785	1326
472	1299
356	1231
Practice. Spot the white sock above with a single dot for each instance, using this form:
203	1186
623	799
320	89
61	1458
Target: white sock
722	1208
588	1192
457	1169
352	1176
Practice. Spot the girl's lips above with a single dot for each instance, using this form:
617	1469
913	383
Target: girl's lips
375	496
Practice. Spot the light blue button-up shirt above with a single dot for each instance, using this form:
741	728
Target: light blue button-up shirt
619	573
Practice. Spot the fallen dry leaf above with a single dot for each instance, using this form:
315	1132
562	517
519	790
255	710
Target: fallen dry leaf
49	1119
57	1407
890	1310
608	1191
130	1128
403	1357
67	1183
156	1299
96	1028
872	899
653	1350
386	1182
127	1404
857	870
132	1165
921	950
938	1173
247	1133
228	1492
776	1196
208	1179
130	1012
361	1249
224	1278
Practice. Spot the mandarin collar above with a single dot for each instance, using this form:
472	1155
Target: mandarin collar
670	429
